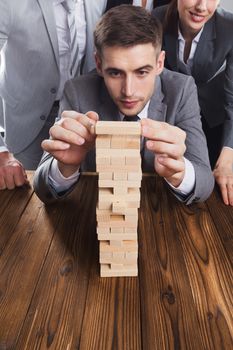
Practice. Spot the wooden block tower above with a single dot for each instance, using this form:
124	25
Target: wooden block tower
118	163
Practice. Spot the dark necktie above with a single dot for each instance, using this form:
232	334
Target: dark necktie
133	118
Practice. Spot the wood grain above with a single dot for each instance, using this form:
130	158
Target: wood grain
51	295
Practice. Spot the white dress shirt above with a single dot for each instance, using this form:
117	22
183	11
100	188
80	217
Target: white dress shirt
181	41
149	4
61	183
63	35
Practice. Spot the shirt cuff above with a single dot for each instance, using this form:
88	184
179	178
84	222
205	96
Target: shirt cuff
188	183
58	181
3	149
228	147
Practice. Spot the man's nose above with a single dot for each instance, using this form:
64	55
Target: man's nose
127	86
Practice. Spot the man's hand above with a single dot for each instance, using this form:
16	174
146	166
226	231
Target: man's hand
12	173
71	138
168	144
223	173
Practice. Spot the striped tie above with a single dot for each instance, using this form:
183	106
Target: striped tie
69	5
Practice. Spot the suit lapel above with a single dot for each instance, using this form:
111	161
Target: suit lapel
170	47
205	48
48	14
157	111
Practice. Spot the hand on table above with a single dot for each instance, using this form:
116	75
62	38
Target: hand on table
12	173
223	173
71	138
168	144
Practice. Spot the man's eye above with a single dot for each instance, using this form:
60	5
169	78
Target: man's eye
114	73
142	72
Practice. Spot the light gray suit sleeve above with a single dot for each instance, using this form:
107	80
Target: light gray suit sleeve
4	32
41	183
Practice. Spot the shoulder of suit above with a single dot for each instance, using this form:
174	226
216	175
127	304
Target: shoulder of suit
224	17
160	11
174	82
90	80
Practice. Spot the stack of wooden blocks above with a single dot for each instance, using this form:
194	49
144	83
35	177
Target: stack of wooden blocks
118	163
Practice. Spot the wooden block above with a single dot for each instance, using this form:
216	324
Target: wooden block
103	141
120	190
119	176
131	218
106	176
107	255
103	215
127	246
117	128
130	270
131	160
109	152
103	160
117	267
117	236
134	176
118	207
117	230
113	258
129	256
116	243
133	142
106	195
118	256
113	183
118	167
103	230
117	160
118	141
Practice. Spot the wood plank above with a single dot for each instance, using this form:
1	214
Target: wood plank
222	217
210	274
54	319
12	206
169	318
20	266
112	313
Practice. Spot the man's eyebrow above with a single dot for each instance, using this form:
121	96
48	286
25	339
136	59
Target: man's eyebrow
147	66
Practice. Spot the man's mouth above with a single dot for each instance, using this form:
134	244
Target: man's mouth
129	103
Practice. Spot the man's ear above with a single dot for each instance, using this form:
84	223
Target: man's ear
160	62
98	63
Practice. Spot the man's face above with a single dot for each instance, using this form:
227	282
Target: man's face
193	14
129	74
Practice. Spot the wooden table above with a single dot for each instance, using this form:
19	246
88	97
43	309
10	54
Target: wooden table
51	295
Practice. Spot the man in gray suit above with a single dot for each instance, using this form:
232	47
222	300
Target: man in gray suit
130	81
35	53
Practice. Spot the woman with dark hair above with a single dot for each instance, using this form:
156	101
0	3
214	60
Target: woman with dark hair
198	41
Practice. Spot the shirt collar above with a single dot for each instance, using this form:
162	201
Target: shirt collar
195	39
143	114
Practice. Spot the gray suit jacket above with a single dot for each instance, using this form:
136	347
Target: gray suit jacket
174	101
212	67
29	76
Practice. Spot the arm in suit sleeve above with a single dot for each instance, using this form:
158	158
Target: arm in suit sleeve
5	20
188	119
41	183
228	101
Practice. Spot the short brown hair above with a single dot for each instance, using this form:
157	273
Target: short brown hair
126	26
